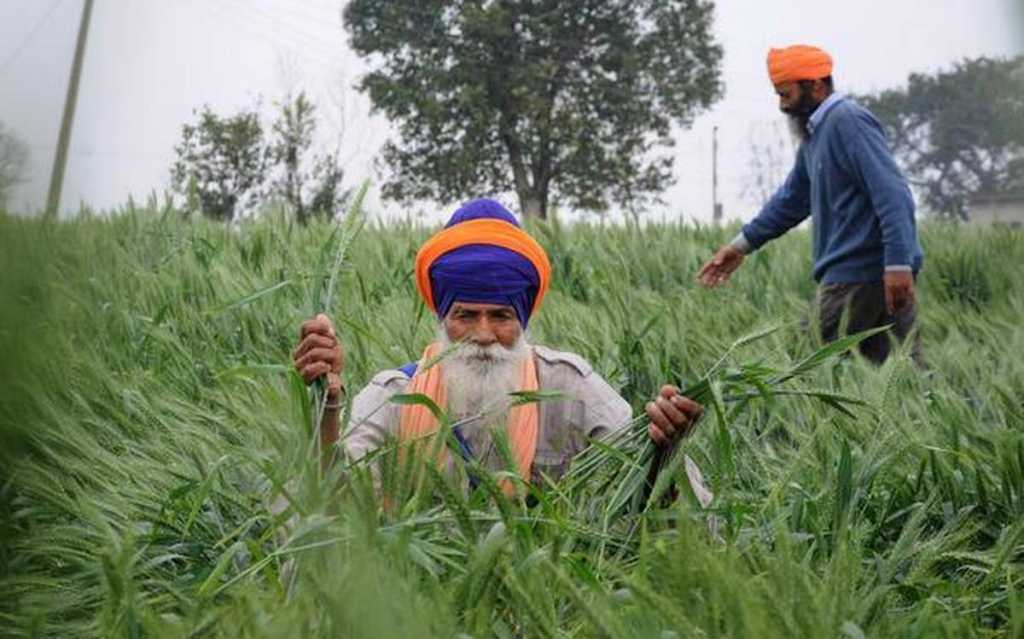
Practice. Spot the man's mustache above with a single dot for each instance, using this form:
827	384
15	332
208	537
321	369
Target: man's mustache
491	352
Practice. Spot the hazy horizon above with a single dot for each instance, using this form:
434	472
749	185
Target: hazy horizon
149	64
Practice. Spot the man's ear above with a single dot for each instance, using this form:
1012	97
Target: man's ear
820	89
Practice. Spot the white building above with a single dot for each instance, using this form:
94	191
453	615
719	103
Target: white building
997	208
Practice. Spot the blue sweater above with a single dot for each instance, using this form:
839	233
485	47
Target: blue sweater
861	207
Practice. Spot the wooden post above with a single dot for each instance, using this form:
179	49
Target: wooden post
61	157
716	208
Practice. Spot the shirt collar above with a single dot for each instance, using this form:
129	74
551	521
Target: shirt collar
822	110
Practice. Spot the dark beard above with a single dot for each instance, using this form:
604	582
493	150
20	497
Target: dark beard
798	126
800	113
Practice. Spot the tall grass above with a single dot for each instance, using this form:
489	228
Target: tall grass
149	419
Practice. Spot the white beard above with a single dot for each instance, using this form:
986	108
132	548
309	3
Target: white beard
478	379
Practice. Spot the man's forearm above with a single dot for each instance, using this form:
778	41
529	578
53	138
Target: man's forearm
787	207
329	434
329	427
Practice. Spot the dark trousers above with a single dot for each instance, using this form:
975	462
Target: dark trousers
860	306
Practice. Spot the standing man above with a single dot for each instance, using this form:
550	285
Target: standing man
866	253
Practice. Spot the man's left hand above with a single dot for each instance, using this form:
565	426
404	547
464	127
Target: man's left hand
899	290
672	416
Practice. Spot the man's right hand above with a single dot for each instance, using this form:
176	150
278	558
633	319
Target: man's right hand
319	353
718	269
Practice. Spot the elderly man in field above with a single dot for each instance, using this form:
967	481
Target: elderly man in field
866	253
485	277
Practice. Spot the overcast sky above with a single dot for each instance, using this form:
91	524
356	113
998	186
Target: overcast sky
149	63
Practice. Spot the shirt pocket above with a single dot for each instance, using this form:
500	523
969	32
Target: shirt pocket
550	463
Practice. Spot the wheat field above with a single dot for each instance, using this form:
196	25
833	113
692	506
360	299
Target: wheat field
149	417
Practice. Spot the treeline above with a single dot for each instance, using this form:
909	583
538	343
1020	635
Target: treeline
570	104
958	132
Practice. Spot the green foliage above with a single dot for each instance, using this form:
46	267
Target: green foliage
571	102
225	167
310	185
221	163
157	478
958	132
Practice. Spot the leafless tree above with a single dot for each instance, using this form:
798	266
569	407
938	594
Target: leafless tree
772	149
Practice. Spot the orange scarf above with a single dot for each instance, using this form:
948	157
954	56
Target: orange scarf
523	420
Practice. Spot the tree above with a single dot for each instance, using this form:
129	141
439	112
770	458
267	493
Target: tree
958	132
308	184
224	164
556	99
13	158
221	163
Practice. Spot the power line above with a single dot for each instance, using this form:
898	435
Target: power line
280	25
312	11
24	43
268	31
301	13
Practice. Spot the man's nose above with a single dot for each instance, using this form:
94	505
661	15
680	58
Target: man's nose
484	334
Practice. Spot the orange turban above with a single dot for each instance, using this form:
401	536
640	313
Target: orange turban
798	62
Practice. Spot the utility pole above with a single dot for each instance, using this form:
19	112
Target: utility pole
716	208
61	157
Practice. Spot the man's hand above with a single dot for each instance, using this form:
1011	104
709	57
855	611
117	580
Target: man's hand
718	269
899	290
319	353
672	416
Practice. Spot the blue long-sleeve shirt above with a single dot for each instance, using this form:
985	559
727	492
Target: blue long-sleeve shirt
861	207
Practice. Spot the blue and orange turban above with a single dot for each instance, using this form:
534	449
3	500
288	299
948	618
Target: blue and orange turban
483	256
